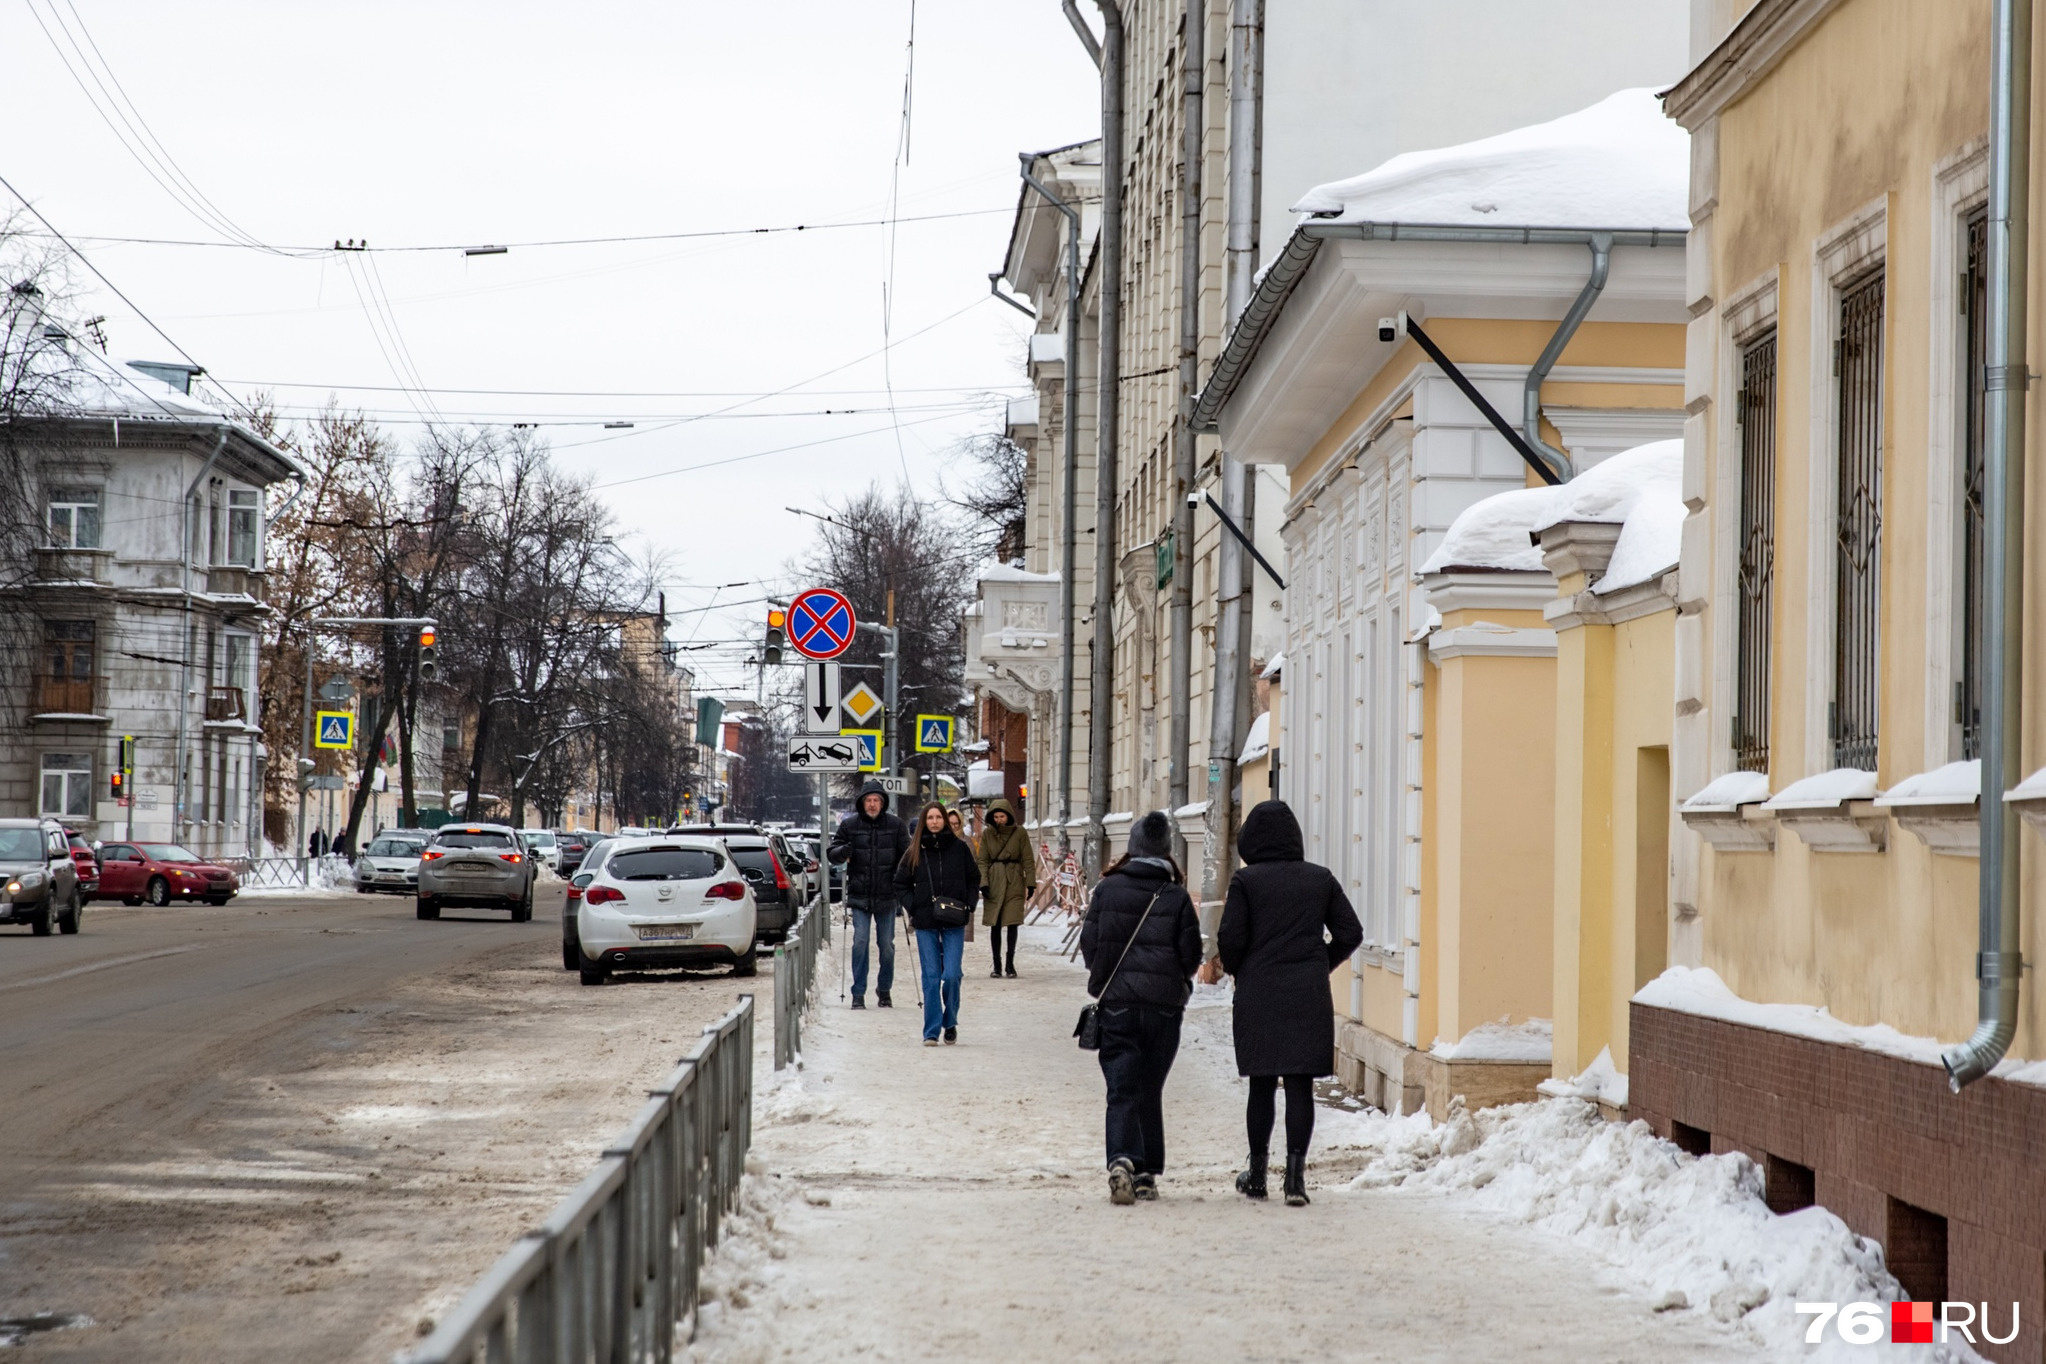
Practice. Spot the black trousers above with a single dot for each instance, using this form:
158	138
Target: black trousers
1299	1111
1138	1044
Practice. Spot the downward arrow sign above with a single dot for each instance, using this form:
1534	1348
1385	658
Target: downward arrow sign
820	689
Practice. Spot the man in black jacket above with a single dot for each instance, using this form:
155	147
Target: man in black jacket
870	843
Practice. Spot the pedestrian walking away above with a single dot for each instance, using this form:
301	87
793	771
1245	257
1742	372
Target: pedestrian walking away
1008	878
1285	926
1142	943
936	880
871	842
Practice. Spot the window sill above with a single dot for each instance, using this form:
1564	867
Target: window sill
1942	807
1727	814
66	717
1833	812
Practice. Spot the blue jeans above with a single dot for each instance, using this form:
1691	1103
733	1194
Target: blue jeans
881	922
942	952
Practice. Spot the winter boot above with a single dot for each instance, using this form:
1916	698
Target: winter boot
1251	1181
1122	1183
1147	1187
1296	1179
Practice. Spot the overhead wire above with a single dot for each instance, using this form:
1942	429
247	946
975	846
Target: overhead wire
902	143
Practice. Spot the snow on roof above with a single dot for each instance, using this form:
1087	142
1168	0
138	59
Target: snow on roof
1005	573
1825	790
1698	990
1642	489
1274	668
1258	743
1620	163
1731	791
105	387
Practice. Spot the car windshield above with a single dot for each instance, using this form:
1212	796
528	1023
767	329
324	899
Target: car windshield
166	852
664	864
473	838
538	838
21	845
394	847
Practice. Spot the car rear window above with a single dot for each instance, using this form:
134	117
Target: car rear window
664	864
476	838
757	860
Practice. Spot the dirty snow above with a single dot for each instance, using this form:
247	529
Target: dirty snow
1531	1040
1730	791
1619	163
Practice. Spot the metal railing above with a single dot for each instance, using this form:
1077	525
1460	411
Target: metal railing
255	873
612	1274
795	968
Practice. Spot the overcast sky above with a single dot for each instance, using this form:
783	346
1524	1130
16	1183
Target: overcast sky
469	124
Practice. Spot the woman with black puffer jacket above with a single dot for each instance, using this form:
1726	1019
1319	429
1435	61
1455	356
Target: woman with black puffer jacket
938	881
1142	943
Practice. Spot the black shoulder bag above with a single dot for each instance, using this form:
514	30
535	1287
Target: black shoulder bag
1088	1029
946	912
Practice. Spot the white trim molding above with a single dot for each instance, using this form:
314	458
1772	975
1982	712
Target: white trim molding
1488	639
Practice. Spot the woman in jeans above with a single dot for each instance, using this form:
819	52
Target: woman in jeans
938	880
1142	943
1285	926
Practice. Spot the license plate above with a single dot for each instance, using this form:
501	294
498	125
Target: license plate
666	932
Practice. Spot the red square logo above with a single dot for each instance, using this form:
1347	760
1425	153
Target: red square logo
1911	1323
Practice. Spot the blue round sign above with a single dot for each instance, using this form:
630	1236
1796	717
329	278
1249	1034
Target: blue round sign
821	623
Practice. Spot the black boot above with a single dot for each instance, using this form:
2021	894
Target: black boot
1296	1179
1250	1182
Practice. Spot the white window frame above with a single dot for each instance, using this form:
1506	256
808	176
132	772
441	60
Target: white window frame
75	785
68	498
254	508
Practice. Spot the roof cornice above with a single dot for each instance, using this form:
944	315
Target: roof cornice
1758	42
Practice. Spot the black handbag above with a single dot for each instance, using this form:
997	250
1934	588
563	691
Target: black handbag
1088	1029
946	912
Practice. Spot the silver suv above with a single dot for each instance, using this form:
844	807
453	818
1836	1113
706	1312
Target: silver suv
476	864
38	880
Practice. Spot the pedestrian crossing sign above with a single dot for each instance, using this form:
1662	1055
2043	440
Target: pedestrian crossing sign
934	733
869	741
333	729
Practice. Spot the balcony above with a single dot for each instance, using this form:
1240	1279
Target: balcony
233	580
226	703
75	567
63	696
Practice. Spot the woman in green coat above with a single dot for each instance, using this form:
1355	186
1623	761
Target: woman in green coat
1008	876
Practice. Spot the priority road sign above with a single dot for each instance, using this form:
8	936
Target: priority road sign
869	741
934	733
860	704
333	729
823	753
820	699
821	623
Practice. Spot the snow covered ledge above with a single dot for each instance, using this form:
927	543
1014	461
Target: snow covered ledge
2028	798
1728	813
1833	812
1943	807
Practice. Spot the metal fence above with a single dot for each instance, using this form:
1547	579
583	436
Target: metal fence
795	967
613	1271
256	873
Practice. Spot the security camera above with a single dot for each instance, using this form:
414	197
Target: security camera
1391	328
1193	499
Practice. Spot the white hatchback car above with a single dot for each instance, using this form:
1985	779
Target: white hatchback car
662	903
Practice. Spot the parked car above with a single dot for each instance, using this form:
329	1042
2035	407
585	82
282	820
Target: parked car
391	863
38	877
158	873
777	875
85	862
572	898
542	845
574	845
665	903
476	864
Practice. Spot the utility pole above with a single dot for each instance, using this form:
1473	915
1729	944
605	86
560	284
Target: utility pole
1193	77
1107	476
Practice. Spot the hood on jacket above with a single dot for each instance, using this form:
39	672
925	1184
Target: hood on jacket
1271	834
870	788
1151	836
1002	804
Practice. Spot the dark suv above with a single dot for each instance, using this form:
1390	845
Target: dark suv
774	870
38	879
573	846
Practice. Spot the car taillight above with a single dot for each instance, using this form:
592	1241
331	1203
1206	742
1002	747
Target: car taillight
575	893
602	895
726	890
781	878
430	854
509	857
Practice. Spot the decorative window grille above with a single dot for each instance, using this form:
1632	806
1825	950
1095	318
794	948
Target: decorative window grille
1858	526
1757	564
1975	330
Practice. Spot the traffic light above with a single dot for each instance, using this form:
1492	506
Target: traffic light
777	627
305	774
125	768
119	786
429	662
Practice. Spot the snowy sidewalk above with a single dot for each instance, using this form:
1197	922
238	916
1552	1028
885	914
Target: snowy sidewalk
948	1204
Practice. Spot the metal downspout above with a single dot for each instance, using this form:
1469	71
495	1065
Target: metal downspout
1087	38
1070	535
1531	392
1107	437
181	806
1998	965
1193	144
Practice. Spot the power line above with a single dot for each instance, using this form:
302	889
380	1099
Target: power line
617	393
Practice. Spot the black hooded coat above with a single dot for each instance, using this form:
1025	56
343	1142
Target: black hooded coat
1285	927
871	849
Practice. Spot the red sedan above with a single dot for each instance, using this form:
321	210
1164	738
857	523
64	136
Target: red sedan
158	873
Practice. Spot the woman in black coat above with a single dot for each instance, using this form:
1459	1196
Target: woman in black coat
1285	927
1142	944
939	880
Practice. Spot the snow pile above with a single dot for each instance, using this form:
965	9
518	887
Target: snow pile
1501	1041
1957	783
1694	1232
1258	743
1731	791
1601	1082
1826	790
1699	990
1641	489
742	1287
1619	163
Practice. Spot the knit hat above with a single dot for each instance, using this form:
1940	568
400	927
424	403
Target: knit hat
1151	836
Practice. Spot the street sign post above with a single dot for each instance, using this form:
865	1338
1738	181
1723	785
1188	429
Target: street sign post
869	742
821	623
333	729
823	753
860	705
934	733
820	699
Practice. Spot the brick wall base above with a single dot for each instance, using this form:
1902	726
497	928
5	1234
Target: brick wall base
1954	1186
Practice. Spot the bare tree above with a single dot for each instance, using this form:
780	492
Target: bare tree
996	494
